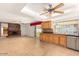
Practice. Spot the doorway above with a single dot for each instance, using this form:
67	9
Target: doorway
14	29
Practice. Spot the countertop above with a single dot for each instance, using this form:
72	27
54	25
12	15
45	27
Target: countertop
61	34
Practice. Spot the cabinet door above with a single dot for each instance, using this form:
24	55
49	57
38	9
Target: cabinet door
51	38
46	25
42	25
46	37
71	42
77	43
56	39
49	24
63	40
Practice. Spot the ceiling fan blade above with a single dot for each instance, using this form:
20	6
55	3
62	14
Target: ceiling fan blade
45	9
49	14
44	13
59	12
59	5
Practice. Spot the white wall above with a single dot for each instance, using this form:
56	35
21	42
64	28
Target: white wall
4	25
27	30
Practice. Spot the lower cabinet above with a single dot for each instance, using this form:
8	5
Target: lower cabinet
63	40
71	42
50	38
47	37
56	39
42	37
66	41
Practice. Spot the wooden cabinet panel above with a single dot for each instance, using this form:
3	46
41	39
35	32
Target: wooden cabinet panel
41	37
51	38
44	38
63	41
56	39
46	25
47	37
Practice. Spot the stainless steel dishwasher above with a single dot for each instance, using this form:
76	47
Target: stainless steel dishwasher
77	44
71	42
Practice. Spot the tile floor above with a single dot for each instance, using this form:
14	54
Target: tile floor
25	46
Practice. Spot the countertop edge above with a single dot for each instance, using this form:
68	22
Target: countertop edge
61	34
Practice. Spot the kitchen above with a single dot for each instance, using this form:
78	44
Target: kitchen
64	33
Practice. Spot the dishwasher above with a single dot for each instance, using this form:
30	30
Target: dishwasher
71	42
77	44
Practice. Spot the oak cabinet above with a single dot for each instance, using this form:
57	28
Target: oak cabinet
51	38
56	39
46	37
46	25
63	40
43	37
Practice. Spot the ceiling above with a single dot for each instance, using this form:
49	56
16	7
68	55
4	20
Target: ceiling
11	12
30	12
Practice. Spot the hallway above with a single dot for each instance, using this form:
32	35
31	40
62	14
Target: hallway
25	46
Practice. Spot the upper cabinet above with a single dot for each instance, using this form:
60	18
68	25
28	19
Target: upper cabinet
46	25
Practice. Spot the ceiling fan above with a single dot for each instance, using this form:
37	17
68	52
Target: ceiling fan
52	9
